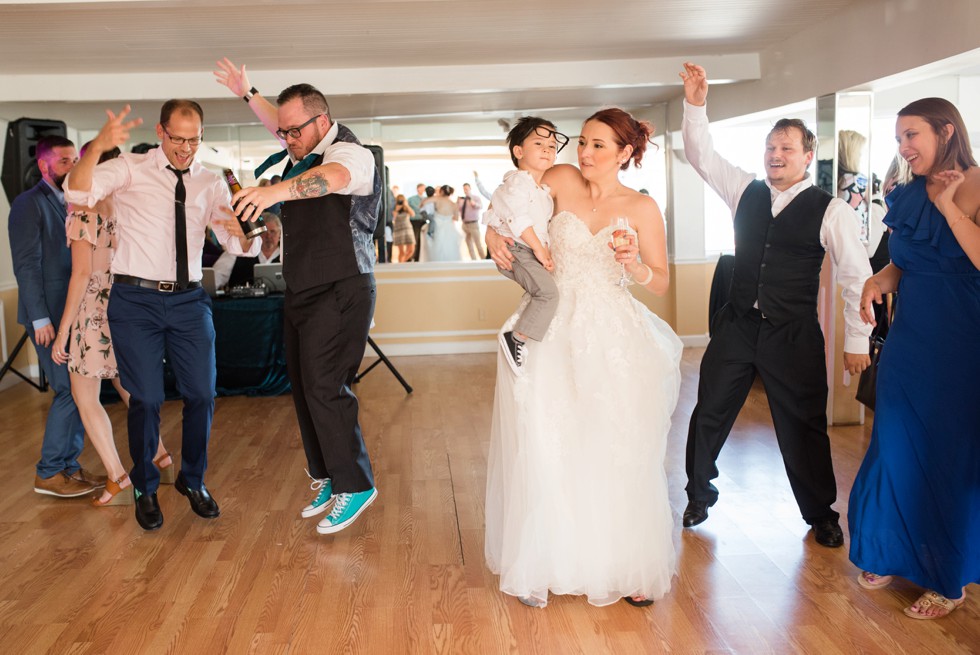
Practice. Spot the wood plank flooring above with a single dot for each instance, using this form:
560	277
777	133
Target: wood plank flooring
409	576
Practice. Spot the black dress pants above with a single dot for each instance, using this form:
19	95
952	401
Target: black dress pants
326	330
789	357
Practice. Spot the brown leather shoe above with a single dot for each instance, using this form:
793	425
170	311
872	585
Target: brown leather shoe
61	485
97	481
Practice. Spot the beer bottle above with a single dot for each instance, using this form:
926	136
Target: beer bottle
251	228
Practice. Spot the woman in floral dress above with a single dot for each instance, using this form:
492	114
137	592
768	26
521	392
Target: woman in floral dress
88	352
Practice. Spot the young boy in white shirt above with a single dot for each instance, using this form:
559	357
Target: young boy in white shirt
520	209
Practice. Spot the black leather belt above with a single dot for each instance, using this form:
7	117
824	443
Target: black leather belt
153	284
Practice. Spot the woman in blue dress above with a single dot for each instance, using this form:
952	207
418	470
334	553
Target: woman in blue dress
915	505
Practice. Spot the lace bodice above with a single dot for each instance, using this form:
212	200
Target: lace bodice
582	259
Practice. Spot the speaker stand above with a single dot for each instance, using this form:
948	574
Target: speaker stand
387	362
41	385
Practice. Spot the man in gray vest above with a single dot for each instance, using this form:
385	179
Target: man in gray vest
330	193
783	227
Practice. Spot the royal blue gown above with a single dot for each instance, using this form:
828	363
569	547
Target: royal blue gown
915	506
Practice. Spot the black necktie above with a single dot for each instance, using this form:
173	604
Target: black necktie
180	230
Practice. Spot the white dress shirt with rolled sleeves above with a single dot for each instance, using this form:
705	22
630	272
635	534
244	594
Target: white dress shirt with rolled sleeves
519	203
839	233
142	189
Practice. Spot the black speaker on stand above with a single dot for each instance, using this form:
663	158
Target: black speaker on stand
20	171
384	207
384	214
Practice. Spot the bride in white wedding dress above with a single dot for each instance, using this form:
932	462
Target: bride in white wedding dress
576	490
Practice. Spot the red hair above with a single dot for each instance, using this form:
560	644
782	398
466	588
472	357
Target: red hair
627	131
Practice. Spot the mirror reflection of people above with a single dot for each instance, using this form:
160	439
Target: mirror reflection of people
913	510
240	270
443	239
403	236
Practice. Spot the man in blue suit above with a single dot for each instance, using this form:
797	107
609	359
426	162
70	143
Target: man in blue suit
42	265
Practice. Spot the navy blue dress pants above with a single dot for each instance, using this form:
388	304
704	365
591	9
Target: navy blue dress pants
147	325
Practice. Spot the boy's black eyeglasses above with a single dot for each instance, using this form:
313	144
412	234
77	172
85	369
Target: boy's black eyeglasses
547	133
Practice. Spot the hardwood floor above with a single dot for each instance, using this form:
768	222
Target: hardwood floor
409	575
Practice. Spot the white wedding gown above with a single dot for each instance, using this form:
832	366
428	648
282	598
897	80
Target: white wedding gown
576	490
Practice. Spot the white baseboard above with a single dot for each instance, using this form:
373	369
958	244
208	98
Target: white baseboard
481	346
435	348
695	340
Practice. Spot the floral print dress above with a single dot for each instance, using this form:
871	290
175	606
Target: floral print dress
90	347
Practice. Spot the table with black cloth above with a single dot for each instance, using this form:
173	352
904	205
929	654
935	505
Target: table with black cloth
249	350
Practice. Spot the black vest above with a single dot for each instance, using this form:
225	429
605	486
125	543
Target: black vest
778	260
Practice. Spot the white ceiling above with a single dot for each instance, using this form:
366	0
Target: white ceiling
441	73
396	60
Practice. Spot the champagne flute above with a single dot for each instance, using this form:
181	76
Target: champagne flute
621	233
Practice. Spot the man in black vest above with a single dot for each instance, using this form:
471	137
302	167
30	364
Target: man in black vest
330	193
783	227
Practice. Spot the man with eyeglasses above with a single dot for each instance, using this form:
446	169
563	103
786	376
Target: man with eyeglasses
164	201
42	266
330	193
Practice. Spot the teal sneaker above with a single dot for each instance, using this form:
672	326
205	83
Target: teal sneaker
321	503
346	508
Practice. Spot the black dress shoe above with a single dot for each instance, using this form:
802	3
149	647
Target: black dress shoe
201	501
696	513
148	513
827	532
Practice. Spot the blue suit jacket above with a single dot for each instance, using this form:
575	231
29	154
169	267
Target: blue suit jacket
42	260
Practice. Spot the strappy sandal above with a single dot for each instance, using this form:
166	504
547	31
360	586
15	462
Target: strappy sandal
931	598
870	580
167	475
115	488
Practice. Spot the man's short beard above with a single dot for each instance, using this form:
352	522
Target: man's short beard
59	181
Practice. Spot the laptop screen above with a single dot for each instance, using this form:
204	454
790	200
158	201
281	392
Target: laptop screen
269	276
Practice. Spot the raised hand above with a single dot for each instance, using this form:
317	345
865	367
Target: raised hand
950	181
115	132
695	84
236	79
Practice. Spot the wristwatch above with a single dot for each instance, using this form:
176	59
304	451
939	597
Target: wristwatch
248	94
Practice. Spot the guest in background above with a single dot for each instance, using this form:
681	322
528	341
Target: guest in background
852	183
89	355
419	219
443	239
42	266
914	510
402	233
470	208
485	192
242	270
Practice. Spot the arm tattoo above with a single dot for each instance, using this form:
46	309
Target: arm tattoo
311	185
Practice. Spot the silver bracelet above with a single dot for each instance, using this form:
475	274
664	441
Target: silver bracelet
649	277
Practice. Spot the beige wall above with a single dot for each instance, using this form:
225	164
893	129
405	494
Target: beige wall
454	308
